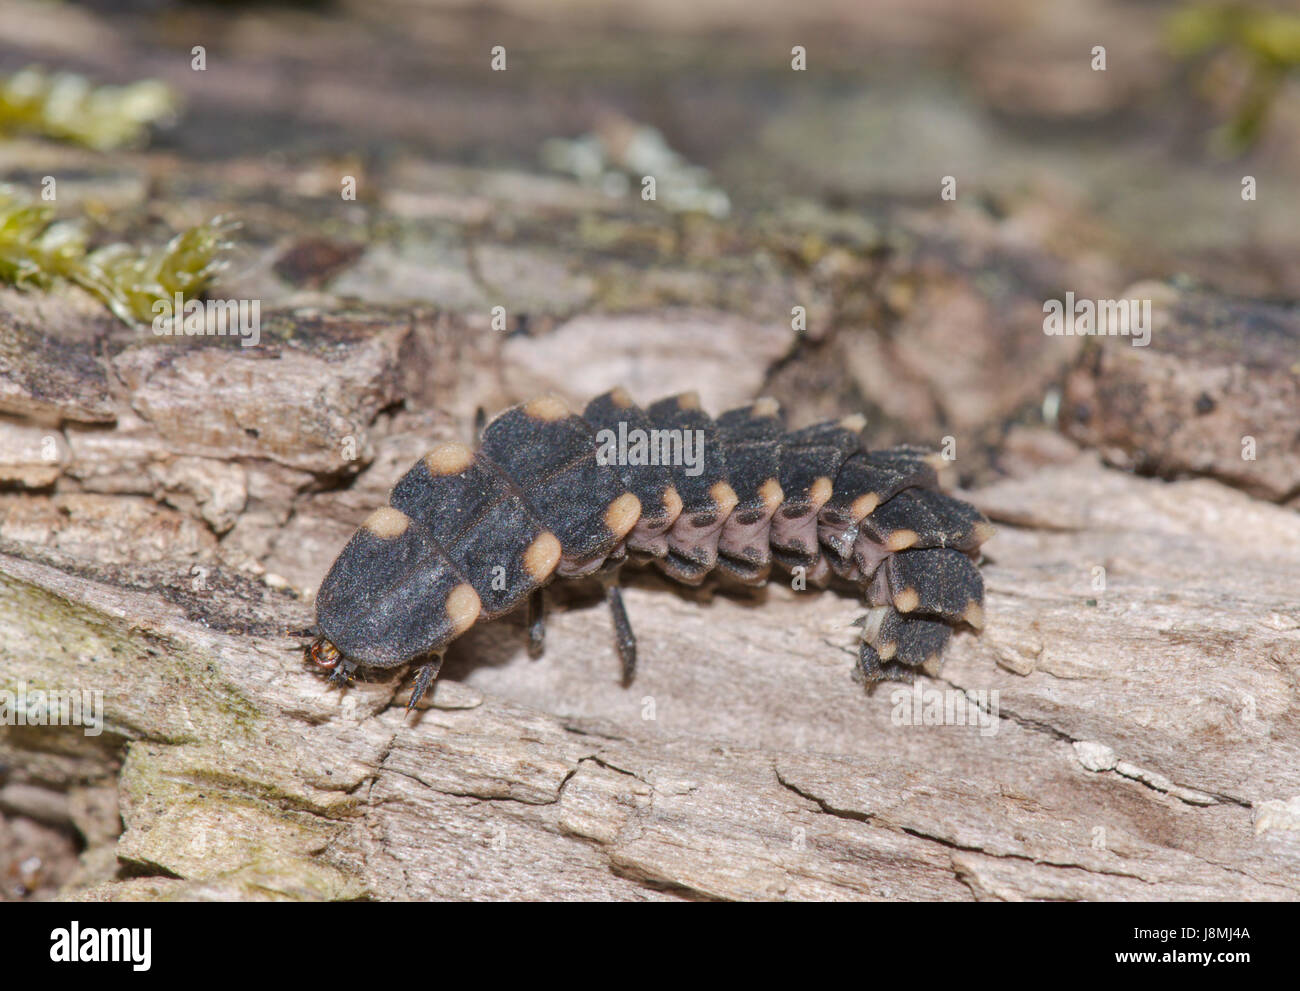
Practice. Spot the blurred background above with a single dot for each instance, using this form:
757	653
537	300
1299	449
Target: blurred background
455	157
1141	160
496	153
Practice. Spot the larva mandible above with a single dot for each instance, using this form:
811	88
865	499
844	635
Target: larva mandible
550	494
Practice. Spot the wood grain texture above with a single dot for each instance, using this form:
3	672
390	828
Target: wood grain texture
1144	742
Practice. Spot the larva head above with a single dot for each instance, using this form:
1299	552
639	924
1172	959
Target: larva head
392	594
324	654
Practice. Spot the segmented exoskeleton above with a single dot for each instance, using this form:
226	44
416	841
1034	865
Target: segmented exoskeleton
468	535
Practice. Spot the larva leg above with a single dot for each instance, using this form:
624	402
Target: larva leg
536	623
342	672
624	638
423	679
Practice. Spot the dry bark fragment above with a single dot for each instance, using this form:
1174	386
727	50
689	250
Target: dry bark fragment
1216	392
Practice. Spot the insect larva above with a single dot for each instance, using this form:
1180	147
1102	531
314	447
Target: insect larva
469	535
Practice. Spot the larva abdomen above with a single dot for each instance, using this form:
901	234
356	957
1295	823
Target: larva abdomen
468	535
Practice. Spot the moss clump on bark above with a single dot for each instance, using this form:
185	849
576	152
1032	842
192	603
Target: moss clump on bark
37	251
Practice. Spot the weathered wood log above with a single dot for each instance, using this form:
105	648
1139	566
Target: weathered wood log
1142	741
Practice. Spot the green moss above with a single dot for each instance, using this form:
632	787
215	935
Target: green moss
69	107
37	251
1266	41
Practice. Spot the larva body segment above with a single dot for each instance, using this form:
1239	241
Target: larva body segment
472	509
706	494
469	535
752	438
661	504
